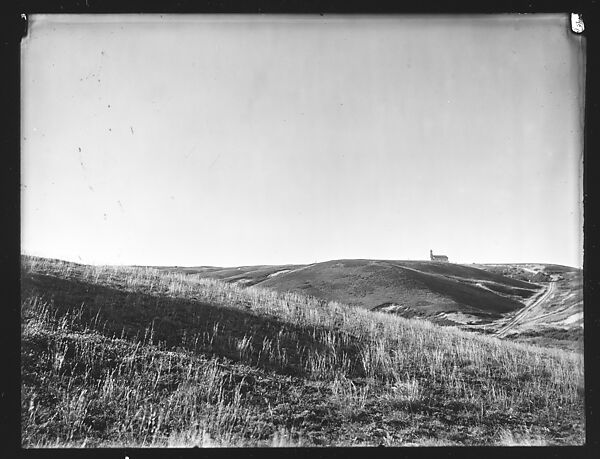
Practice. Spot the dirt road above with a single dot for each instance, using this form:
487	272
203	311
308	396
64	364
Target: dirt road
523	313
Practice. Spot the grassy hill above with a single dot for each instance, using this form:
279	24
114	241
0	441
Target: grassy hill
133	356
477	297
529	272
407	288
244	275
556	321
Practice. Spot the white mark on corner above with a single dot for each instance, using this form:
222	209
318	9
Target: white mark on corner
577	25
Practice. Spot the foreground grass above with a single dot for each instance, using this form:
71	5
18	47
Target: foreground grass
115	356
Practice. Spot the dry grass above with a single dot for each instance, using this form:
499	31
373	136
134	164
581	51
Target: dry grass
139	357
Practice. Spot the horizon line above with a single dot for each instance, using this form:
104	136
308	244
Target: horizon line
293	264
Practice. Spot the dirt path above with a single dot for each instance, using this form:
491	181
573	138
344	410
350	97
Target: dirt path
518	318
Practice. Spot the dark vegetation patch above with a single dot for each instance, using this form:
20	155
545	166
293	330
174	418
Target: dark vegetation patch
465	272
570	339
473	298
555	333
200	327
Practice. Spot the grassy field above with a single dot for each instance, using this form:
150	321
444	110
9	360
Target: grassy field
123	356
423	289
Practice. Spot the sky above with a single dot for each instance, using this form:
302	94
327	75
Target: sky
243	140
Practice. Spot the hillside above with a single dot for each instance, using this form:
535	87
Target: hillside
243	275
133	356
553	317
529	272
509	300
443	292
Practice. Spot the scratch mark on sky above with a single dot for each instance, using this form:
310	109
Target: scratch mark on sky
190	152
80	158
83	169
215	160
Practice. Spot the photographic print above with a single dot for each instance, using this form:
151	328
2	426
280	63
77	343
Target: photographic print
302	230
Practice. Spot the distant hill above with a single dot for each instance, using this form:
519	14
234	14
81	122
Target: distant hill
532	272
443	292
244	275
556	317
532	302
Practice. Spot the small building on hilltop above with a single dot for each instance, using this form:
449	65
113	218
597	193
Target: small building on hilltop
433	257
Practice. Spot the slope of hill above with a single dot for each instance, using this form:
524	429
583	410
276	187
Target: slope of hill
243	275
531	302
442	292
552	317
530	272
131	356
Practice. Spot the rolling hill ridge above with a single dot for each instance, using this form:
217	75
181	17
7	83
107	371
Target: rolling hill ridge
532	302
439	291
